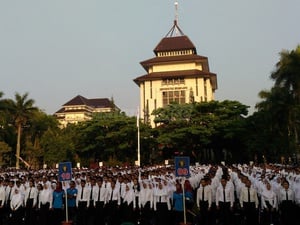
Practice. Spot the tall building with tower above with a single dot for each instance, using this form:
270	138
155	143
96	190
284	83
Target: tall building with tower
176	74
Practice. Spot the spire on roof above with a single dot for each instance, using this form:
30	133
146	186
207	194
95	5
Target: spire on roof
175	30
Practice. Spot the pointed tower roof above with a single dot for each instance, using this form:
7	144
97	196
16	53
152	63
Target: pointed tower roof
78	100
175	40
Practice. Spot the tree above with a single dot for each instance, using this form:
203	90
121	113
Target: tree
287	76
200	130
107	137
21	110
4	153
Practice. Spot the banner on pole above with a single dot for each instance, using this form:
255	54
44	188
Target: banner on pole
65	171
182	166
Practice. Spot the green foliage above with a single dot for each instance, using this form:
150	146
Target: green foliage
5	152
191	129
276	124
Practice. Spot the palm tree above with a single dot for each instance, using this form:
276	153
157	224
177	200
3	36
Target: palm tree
287	72
287	79
21	109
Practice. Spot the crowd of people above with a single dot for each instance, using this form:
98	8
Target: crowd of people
211	195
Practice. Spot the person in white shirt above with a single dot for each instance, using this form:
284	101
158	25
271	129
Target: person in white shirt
162	204
45	204
249	203
9	192
16	207
82	203
127	205
113	204
204	200
287	199
268	204
225	200
30	200
146	202
100	201
2	200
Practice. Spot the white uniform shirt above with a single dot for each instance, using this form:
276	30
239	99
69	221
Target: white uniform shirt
83	196
33	195
146	195
207	195
244	196
102	196
2	196
16	201
229	195
45	197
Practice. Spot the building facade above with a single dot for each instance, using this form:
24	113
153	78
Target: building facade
81	109
175	74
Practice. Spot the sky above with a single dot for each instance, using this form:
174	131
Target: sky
58	49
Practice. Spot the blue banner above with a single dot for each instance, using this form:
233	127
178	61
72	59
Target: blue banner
182	166
65	171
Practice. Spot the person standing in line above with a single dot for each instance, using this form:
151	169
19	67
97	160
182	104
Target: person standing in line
225	201
82	203
37	212
30	203
249	203
2	201
45	204
287	199
92	199
100	201
178	204
213	182
136	187
71	195
269	205
162	205
127	205
16	207
204	201
9	192
113	204
146	203
58	204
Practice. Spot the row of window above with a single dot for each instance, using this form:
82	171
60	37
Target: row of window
169	97
172	81
174	53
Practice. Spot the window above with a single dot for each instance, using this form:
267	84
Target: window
173	96
174	81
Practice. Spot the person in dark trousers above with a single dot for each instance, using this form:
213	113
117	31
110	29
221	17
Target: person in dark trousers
113	204
2	201
287	199
82	203
30	203
204	201
45	204
162	205
146	203
58	204
178	205
37	212
268	204
16	208
249	203
92	208
100	201
71	195
225	201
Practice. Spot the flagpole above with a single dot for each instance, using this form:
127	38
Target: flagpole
138	134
